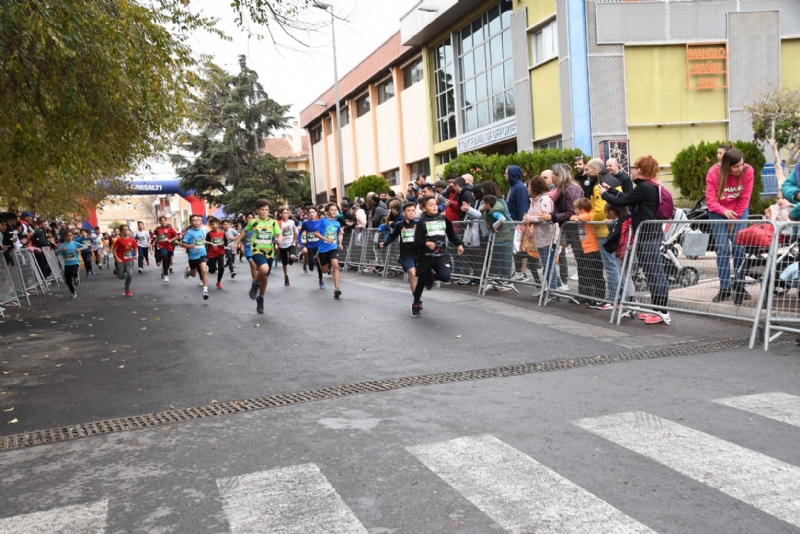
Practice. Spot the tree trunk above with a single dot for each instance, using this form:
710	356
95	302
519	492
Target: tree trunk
777	153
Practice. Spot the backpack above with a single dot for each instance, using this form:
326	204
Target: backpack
624	235
666	207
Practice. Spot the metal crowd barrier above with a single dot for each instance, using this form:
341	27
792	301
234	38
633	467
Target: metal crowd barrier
393	266
24	274
355	250
7	291
783	298
373	258
55	268
469	268
510	261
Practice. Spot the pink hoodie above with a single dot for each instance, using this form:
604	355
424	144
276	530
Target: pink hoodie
737	191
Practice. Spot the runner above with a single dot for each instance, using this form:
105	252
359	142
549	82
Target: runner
86	254
216	241
311	241
431	237
248	238
165	240
142	238
264	231
230	234
330	232
194	241
72	263
287	248
124	255
408	248
97	246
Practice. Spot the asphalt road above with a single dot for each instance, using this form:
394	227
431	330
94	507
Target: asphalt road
638	446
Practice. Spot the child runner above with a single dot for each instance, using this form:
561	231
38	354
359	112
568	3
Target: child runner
431	235
142	238
286	247
308	231
97	246
330	232
248	240
165	241
264	231
194	241
405	230
124	254
86	253
216	241
230	235
72	263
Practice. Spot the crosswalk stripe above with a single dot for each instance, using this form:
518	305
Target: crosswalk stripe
778	406
295	499
519	493
76	519
763	482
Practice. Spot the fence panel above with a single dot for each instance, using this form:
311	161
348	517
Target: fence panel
783	298
516	253
24	274
373	257
682	273
469	267
7	291
393	267
55	268
355	251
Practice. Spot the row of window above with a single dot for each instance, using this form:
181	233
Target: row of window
417	169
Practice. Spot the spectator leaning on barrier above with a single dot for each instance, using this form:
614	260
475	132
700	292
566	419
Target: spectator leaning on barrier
729	186
599	215
539	191
464	191
791	192
643	202
613	168
581	178
517	202
452	210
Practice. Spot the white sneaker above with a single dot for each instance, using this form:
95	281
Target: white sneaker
488	287
200	283
140	270
518	276
574	277
563	287
166	278
74	296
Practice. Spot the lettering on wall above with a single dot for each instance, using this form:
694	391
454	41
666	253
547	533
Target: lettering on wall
500	131
706	66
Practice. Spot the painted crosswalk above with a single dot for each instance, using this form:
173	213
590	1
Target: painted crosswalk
778	406
763	482
519	493
77	519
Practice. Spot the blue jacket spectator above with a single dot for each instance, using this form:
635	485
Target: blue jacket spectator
791	192
518	201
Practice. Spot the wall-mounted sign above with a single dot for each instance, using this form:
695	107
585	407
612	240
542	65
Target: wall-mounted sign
499	131
617	149
707	66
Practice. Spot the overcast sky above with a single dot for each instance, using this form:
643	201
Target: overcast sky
290	73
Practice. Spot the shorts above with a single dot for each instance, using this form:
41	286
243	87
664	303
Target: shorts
247	253
260	259
408	264
325	258
164	252
194	264
285	253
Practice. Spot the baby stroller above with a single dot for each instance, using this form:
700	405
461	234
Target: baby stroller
676	273
756	241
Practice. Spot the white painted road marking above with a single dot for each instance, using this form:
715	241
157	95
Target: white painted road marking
78	519
763	482
519	493
778	406
296	499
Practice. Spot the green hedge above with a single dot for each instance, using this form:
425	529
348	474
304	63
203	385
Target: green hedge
691	165
493	167
367	184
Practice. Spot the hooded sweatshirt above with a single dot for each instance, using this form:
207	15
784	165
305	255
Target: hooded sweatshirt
495	218
735	197
518	200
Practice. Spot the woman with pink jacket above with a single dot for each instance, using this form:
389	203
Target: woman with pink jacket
729	186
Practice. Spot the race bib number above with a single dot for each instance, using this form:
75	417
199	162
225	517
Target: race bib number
162	237
142	240
435	228
330	233
70	255
311	238
247	239
199	242
128	254
217	241
287	231
264	237
407	235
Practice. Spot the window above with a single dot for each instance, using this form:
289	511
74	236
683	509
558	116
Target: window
412	74
551	143
447	156
385	91
445	92
117	207
393	177
544	44
316	135
419	168
362	106
128	206
345	112
486	67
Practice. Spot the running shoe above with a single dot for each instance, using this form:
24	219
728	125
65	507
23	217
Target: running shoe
128	293
233	275
185	273
77	281
219	285
91	272
286	281
170	270
644	316
200	283
563	287
429	283
625	313
166	278
205	294
656	319
593	304
162	276
254	290
140	270
74	296
415	309
321	284
337	293
605	306
305	269
260	304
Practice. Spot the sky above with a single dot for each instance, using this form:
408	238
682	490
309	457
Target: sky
290	73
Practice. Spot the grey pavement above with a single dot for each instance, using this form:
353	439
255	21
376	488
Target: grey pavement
379	460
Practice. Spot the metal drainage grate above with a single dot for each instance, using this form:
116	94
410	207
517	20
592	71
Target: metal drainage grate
40	437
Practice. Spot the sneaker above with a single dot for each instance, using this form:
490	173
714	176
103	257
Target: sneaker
148	262
420	305
140	270
502	287
574	277
200	283
656	319
128	293
593	304
415	310
488	287
219	285
305	269
92	273
286	281
429	283
166	278
260	304
254	290
645	316
605	306
523	278
170	270
563	287
77	281
205	295
162	276
185	273
74	296
723	295
337	293
233	275
625	313
550	299
321	284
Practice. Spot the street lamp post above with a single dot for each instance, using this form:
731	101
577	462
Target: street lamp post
326	7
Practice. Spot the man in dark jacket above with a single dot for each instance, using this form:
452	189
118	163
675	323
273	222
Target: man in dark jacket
379	211
517	200
613	168
580	177
464	191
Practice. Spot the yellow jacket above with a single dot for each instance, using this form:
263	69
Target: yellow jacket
599	211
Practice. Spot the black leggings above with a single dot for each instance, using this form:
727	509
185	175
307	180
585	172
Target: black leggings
217	265
70	274
230	260
427	268
87	261
164	255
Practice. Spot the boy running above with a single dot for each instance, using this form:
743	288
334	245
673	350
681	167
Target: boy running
124	254
230	235
165	240
264	231
287	248
431	235
248	240
330	234
216	242
72	264
142	238
194	241
307	231
86	253
405	230
97	246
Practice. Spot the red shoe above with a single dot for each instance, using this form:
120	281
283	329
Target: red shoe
656	319
644	316
128	293
219	285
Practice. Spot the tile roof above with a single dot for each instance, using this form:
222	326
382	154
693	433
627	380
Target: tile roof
281	147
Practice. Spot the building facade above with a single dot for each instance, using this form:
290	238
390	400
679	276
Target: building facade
291	147
384	128
611	77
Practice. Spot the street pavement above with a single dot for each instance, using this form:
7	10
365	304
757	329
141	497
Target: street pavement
702	443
